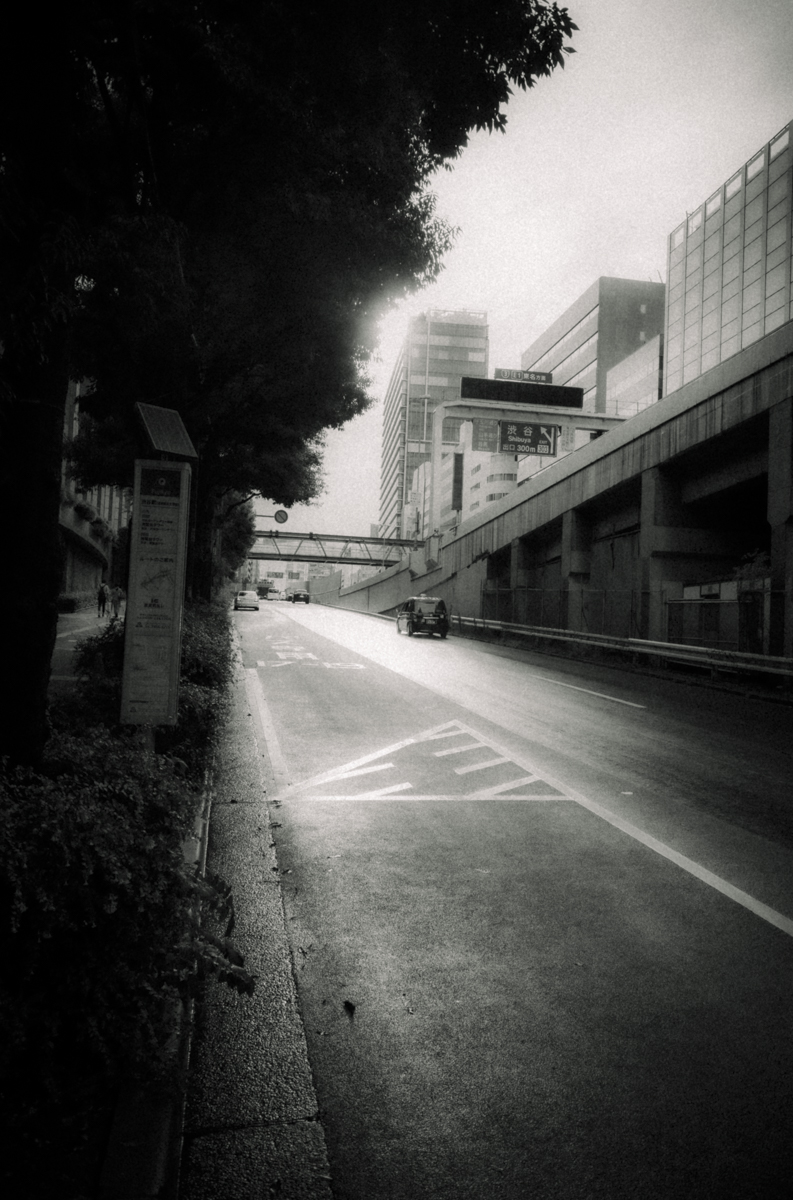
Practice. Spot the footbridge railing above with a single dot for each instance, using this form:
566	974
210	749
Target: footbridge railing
332	548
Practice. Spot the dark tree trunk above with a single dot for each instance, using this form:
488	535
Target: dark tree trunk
31	445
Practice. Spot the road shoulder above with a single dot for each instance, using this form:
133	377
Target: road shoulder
251	1125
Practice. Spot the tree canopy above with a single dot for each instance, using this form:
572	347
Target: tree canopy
207	205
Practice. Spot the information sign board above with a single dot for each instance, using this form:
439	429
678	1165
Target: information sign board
510	392
523	376
153	628
485	435
516	437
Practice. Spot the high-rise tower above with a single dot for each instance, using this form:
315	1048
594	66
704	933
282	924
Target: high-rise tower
440	347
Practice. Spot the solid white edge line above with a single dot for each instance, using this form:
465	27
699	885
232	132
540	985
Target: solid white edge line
270	737
589	692
785	924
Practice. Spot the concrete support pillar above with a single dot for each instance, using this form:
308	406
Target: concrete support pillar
576	564
780	518
673	549
518	563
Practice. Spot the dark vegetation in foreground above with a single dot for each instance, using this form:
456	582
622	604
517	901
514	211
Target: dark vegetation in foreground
104	931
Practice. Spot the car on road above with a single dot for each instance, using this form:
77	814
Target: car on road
423	614
299	595
246	600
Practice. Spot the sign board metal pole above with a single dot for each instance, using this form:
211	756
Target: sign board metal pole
153	627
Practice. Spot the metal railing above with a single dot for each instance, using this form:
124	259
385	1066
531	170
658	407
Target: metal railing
702	656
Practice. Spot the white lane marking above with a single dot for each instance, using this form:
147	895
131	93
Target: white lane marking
482	766
764	911
436	737
386	791
473	797
253	685
294	660
456	750
588	692
523	781
366	770
785	924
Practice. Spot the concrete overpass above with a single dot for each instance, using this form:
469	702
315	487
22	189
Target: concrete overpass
612	537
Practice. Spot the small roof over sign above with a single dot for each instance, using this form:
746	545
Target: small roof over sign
166	431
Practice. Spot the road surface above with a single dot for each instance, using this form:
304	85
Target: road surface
541	915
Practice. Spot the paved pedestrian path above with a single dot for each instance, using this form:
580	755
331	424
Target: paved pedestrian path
72	628
251	1125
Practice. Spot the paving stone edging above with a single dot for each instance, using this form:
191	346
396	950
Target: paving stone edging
251	1126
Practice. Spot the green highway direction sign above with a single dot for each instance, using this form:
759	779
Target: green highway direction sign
517	437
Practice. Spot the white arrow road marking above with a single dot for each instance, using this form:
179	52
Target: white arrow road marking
457	750
503	792
482	766
386	791
365	771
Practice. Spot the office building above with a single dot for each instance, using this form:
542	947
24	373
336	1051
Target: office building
611	320
440	347
729	266
636	382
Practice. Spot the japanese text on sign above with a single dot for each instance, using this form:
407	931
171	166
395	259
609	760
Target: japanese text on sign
518	437
156	587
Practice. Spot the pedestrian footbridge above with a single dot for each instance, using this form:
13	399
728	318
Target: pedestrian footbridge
332	548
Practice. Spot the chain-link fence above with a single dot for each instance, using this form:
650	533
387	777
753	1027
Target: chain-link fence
739	624
586	610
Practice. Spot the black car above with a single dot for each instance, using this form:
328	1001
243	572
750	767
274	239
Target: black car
295	596
423	614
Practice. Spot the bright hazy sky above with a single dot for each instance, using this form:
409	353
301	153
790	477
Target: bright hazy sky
658	106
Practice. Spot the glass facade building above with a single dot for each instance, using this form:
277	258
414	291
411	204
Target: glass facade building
441	346
729	266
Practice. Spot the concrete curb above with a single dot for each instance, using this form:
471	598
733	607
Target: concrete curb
251	1126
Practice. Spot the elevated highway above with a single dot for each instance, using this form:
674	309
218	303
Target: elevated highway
644	532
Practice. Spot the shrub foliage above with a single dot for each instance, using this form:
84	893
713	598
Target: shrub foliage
104	925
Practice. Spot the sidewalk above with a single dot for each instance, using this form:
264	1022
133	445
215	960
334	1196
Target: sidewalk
72	627
251	1126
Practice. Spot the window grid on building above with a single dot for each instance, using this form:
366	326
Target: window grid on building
729	274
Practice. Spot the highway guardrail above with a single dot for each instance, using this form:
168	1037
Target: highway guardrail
702	656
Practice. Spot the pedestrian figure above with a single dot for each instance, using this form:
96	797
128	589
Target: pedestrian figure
101	600
115	600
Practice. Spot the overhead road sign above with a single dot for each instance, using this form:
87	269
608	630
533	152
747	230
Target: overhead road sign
518	437
523	376
511	392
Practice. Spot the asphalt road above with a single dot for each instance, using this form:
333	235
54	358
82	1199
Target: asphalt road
541	916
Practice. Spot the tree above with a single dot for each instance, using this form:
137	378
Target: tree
206	204
237	534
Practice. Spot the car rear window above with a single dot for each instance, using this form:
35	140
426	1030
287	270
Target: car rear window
430	606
